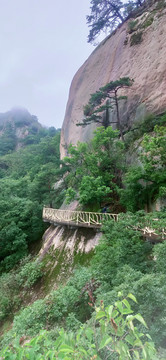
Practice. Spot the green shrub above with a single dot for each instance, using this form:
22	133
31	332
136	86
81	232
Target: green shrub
159	253
145	182
148	22
120	245
132	26
72	323
136	38
114	334
12	283
9	299
151	293
29	274
142	126
31	319
71	299
60	307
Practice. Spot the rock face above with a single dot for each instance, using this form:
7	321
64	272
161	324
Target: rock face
114	58
64	249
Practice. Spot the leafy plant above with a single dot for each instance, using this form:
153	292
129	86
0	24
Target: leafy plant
146	181
9	300
114	335
93	190
101	161
29	274
14	286
121	244
26	184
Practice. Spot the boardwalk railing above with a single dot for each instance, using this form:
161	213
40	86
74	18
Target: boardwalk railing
77	218
95	220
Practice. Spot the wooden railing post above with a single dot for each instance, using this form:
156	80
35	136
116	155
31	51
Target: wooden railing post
85	218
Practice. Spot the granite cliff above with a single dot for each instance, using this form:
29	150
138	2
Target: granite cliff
137	50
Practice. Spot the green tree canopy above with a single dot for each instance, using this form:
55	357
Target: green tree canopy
27	179
104	99
94	169
146	182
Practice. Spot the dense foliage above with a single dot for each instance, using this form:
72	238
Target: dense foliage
145	182
123	262
95	169
113	335
26	184
96	174
15	285
100	172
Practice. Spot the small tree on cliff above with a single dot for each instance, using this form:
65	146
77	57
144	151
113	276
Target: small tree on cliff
108	14
104	14
97	109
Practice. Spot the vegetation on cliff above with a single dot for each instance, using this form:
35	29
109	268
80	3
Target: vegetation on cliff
106	98
108	14
146	181
113	332
123	262
95	169
99	174
26	183
110	177
94	313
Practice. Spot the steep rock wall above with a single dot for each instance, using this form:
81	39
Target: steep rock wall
115	58
63	249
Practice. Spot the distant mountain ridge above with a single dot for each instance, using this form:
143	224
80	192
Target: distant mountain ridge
17	129
18	117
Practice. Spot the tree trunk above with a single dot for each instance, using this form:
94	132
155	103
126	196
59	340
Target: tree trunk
119	16
117	13
118	116
105	121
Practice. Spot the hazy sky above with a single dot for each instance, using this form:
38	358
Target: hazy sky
42	45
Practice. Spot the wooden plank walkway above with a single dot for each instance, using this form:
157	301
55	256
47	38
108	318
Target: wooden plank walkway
94	220
76	218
